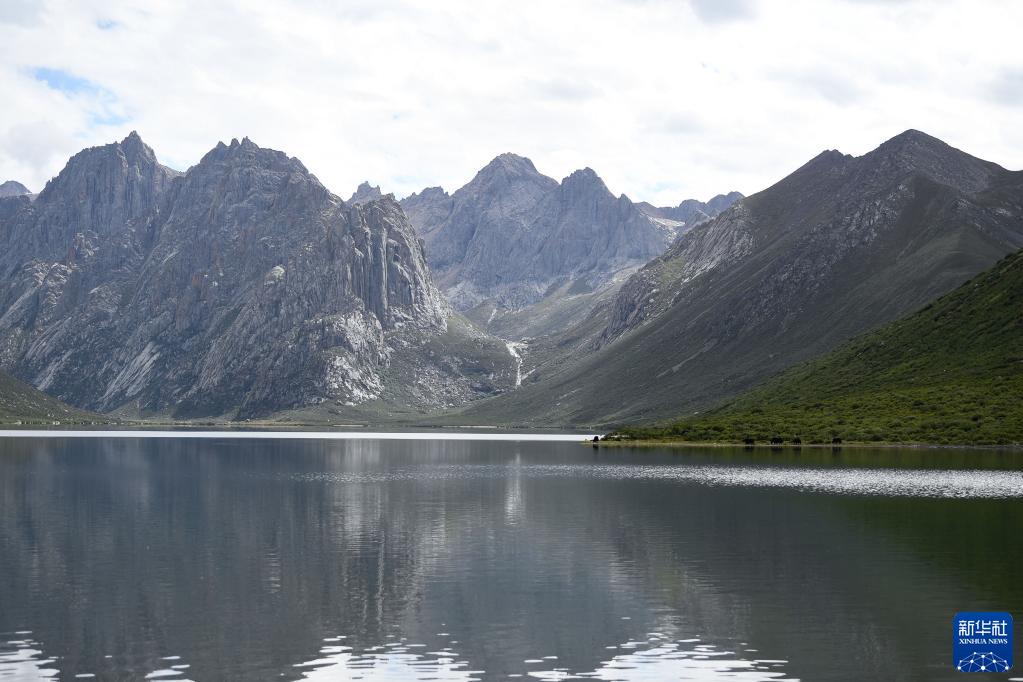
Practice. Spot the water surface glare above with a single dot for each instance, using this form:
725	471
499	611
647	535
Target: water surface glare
968	483
280	556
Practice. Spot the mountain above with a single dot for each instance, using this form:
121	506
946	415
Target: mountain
22	404
950	373
12	188
513	237
365	193
839	247
691	212
240	288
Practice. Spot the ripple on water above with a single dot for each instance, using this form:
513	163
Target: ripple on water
23	659
636	661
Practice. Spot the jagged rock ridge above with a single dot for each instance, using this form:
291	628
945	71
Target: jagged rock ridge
691	212
365	193
512	232
241	287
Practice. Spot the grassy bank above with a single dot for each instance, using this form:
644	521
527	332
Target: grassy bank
951	374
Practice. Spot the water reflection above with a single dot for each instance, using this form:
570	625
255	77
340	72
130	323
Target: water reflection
227	559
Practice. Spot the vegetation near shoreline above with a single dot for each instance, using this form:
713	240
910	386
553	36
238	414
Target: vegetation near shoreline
952	373
20	404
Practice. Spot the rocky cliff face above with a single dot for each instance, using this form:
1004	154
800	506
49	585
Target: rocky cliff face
12	188
512	233
839	247
241	287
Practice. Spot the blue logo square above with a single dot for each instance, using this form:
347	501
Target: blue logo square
982	641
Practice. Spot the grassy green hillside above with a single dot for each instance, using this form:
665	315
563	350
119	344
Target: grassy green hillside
20	403
950	373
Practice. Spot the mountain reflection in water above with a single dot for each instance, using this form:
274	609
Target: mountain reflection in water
211	559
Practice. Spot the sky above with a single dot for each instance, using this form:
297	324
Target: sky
665	99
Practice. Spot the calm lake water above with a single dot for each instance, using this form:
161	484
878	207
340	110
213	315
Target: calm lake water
269	559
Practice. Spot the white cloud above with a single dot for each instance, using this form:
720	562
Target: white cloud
665	99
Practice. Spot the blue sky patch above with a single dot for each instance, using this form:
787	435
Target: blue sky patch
63	81
103	107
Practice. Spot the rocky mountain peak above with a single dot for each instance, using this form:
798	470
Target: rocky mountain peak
13	188
508	170
112	185
132	145
131	152
720	202
512	232
430	193
915	152
248	153
364	193
690	212
510	162
244	288
584	180
914	138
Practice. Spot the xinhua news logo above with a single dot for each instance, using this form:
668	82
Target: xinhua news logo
982	641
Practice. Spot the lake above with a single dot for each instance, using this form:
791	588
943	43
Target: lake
291	558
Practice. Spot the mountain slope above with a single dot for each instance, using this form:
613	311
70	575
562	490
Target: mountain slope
20	403
239	288
950	373
841	246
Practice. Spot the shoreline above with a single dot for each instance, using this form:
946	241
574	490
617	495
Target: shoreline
238	434
647	443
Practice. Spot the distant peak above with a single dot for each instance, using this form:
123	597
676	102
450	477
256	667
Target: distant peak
584	174
365	192
427	193
13	188
511	162
133	146
914	151
585	178
245	143
507	169
913	136
247	152
912	141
